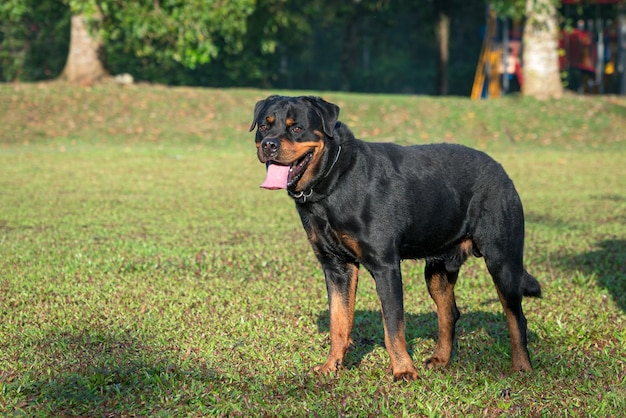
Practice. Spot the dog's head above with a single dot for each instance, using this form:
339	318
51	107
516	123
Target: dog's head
291	138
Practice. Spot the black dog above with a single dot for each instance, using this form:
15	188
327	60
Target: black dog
375	204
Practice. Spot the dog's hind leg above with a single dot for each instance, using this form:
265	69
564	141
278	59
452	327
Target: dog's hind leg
504	258
499	235
440	284
508	280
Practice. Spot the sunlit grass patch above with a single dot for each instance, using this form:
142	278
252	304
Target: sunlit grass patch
143	272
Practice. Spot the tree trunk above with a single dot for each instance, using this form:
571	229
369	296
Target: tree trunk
442	35
541	56
84	61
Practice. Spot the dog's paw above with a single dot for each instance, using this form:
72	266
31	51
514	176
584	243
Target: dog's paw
406	375
522	367
435	361
330	366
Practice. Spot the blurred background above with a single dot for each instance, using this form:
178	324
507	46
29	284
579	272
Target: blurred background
444	47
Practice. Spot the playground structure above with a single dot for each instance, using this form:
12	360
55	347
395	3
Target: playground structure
592	51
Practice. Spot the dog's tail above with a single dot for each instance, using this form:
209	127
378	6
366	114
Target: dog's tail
530	286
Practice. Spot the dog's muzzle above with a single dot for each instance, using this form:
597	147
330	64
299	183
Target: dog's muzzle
270	147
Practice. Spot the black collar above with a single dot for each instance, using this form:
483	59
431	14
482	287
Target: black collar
302	196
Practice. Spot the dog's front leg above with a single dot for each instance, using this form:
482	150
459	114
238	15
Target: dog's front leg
389	288
341	283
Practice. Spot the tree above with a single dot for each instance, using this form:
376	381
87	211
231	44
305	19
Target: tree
190	32
85	59
33	39
442	37
541	57
542	78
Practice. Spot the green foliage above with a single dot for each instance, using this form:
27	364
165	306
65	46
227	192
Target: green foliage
515	9
144	273
186	34
369	45
33	39
13	10
191	33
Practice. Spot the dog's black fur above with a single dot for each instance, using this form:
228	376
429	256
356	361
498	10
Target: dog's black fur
374	204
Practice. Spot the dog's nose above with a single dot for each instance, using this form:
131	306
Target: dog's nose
270	146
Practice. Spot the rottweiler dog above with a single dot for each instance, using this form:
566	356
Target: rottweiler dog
375	204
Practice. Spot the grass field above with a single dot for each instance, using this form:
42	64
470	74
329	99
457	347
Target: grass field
144	273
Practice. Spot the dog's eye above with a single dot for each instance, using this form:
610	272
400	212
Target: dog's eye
296	129
263	128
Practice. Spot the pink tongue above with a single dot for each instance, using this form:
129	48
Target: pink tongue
276	177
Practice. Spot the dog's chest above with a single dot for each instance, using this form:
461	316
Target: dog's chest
329	234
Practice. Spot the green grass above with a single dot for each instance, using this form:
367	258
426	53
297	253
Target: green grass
144	273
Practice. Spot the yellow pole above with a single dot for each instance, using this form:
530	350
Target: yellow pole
479	78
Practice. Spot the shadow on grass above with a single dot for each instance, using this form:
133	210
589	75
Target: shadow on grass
606	264
547	220
368	334
107	373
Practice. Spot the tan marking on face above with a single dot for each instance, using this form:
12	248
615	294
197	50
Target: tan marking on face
319	134
290	122
294	151
270	119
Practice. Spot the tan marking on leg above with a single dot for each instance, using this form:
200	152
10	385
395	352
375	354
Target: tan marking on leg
401	363
341	321
442	293
519	354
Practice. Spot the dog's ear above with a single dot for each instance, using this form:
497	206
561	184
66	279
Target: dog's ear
258	107
328	112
